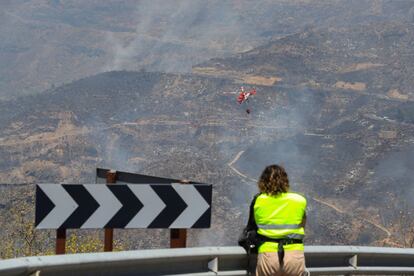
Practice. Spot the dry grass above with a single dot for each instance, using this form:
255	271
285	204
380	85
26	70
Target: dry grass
388	134
65	129
396	94
260	80
360	66
238	76
356	86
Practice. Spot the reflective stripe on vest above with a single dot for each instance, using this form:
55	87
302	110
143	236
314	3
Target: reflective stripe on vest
279	226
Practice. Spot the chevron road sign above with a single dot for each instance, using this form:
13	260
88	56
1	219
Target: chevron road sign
64	206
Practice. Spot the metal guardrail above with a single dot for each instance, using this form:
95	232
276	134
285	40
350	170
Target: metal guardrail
320	260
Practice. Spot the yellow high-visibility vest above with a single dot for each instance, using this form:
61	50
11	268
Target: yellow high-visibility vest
280	216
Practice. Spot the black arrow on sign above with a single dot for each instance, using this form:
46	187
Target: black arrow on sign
130	206
87	206
43	205
175	205
205	220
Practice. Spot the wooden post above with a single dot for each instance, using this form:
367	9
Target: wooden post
109	233
178	237
60	241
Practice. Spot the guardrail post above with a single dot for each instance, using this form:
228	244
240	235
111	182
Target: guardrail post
109	233
353	261
213	265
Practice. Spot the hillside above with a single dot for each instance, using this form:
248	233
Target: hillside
333	106
45	44
368	59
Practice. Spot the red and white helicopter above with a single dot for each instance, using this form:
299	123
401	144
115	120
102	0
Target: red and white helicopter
244	96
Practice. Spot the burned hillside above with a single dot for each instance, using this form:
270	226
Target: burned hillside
332	105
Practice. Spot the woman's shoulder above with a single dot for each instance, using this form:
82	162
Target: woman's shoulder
291	195
297	196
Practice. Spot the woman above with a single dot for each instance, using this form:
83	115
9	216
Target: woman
280	217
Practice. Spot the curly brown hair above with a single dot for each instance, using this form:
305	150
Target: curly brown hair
274	180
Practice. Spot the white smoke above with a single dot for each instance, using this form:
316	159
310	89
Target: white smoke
172	36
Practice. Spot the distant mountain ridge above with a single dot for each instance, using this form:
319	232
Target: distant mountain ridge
49	43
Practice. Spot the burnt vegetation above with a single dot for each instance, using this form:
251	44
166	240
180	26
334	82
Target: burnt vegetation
334	106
